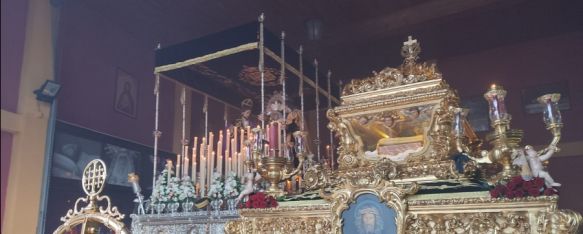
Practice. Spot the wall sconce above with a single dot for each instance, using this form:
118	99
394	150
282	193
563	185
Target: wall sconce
48	91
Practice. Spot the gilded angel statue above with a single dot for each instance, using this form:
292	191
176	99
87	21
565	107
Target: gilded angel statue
532	164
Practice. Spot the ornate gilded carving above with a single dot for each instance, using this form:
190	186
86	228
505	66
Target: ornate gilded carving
561	221
409	72
297	219
433	160
348	146
482	222
93	214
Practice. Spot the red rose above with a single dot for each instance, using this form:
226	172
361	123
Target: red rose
550	192
533	192
494	193
539	182
517	180
501	189
518	193
514	184
528	184
509	194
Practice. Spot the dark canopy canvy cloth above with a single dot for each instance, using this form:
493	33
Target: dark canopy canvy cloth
225	65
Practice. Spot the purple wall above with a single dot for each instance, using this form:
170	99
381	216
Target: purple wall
13	31
522	66
6	153
93	48
567	171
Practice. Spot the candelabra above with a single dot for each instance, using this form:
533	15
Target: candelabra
552	116
272	165
505	140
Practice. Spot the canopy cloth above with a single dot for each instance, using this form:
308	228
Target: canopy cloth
224	65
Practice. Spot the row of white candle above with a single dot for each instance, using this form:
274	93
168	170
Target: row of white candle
205	158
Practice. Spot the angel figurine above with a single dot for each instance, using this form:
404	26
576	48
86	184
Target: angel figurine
250	179
532	164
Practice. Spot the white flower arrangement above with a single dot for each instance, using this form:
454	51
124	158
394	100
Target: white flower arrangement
166	191
173	189
160	192
186	190
216	188
232	186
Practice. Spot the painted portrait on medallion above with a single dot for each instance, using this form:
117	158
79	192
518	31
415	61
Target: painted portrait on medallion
367	215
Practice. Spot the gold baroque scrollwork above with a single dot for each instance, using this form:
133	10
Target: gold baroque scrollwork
481	222
559	221
304	219
349	146
409	72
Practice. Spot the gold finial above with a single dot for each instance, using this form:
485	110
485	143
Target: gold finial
94	177
410	41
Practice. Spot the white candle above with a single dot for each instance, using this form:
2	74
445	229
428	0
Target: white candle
177	174
185	170
213	166
220	155
241	141
168	169
202	164
184	164
210	158
228	148
239	161
202	175
239	166
228	137
234	147
194	173
228	166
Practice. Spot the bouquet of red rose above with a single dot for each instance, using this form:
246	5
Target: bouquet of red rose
259	200
518	187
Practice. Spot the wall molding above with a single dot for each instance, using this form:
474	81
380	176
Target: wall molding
11	122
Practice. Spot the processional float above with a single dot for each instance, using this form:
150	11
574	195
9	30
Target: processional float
407	161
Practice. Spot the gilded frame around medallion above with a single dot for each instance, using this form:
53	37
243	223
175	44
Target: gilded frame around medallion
386	192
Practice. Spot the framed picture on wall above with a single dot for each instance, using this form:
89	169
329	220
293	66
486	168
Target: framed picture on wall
530	95
478	115
74	147
126	94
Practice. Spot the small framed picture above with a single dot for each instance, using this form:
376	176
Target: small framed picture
126	94
530	95
478	115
